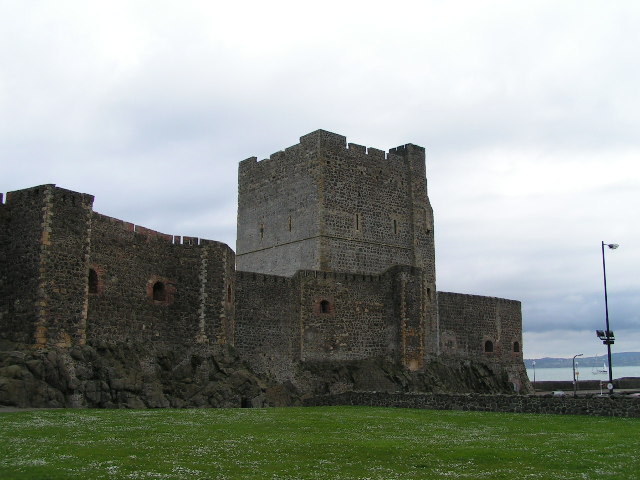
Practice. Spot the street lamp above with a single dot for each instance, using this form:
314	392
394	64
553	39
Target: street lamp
607	336
534	375
575	383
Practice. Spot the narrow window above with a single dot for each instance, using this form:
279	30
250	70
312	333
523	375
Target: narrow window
324	306
516	347
488	346
395	227
357	222
261	231
228	293
159	292
93	281
289	222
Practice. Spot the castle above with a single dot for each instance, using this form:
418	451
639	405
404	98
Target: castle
334	263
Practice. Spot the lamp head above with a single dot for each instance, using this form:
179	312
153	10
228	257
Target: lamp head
613	246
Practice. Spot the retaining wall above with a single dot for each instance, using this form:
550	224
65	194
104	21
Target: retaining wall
550	385
598	406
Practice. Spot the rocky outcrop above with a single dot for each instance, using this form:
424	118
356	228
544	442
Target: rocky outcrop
126	376
380	375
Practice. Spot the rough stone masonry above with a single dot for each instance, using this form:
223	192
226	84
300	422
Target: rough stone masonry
332	288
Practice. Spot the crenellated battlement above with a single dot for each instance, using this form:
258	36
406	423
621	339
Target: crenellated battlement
27	195
52	195
153	235
406	149
332	142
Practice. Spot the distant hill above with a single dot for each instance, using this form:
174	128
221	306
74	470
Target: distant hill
623	359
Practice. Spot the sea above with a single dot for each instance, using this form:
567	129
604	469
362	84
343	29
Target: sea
582	373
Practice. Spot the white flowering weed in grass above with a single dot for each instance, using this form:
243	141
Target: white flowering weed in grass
314	443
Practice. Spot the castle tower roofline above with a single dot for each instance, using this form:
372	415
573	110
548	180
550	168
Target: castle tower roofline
404	150
315	140
323	138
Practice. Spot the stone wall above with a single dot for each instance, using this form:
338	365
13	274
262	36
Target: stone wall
325	205
45	248
593	385
474	326
600	406
318	316
346	316
278	213
152	287
20	239
4	261
267	332
63	269
70	276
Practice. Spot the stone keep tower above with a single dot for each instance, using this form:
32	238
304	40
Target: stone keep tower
325	205
329	206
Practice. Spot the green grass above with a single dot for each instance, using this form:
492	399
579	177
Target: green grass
315	443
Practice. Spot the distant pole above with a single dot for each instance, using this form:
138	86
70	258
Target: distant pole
534	375
607	338
575	383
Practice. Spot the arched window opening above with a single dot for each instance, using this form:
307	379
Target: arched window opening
159	292
395	227
228	293
324	306
488	346
516	347
93	281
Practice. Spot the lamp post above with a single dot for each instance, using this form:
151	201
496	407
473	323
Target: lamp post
534	375
575	383
607	336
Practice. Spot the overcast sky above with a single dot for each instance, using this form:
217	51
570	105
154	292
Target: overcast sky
529	111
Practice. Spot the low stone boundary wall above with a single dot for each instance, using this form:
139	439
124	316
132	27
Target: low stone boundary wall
549	385
599	406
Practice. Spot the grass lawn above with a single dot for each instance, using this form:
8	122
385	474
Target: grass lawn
315	443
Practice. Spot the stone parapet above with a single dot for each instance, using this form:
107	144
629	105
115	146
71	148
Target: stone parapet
616	406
